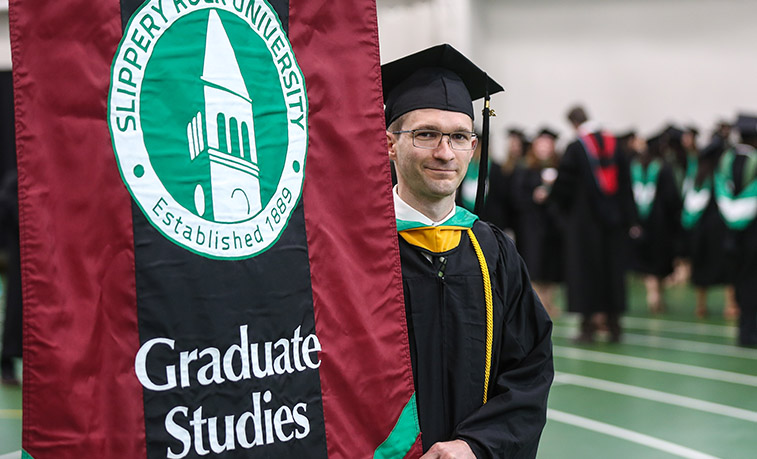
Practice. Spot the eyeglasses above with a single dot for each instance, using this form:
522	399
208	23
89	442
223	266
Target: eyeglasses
431	139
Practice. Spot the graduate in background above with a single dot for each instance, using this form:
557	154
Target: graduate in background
499	209
538	226
704	229
593	188
721	135
736	194
658	207
682	261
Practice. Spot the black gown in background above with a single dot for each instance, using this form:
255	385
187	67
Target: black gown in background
446	317
538	231
596	233
654	251
709	265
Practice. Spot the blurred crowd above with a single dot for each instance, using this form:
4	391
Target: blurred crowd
611	203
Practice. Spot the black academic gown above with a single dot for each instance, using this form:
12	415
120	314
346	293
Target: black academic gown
446	319
538	231
707	250
654	251
596	233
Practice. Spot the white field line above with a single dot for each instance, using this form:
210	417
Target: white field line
656	396
655	365
659	342
668	326
625	434
676	326
14	455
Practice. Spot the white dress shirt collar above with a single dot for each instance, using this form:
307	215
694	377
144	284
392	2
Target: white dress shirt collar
403	211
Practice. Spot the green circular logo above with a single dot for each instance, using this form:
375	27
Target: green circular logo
208	118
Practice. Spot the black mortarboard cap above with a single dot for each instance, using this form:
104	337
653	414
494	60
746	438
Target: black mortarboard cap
692	129
548	132
673	133
714	149
746	124
439	77
663	141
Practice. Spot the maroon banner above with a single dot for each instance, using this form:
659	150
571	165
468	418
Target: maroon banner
354	255
83	328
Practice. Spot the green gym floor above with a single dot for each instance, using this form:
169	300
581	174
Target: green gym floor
675	387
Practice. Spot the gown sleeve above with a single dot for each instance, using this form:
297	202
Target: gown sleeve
509	425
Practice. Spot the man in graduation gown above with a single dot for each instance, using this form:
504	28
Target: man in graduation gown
735	183
593	188
479	337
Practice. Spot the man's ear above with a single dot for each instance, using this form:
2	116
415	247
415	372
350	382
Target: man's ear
391	143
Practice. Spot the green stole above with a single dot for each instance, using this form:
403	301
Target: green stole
738	211
695	198
462	219
645	185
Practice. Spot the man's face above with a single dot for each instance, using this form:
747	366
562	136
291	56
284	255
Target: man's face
430	175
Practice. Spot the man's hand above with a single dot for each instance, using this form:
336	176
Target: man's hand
455	449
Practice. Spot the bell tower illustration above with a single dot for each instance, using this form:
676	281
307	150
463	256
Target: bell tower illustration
225	132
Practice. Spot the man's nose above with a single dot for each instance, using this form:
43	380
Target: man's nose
444	150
